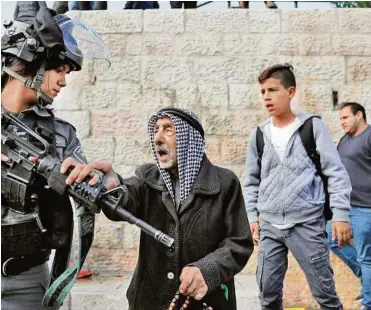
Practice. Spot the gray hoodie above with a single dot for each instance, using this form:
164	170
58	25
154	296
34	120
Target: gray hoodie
291	191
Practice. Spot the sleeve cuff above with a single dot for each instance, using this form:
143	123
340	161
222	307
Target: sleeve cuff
340	215
209	271
252	216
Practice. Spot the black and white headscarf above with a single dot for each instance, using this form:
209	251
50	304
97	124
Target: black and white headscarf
190	151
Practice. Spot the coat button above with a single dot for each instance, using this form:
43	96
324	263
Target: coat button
170	275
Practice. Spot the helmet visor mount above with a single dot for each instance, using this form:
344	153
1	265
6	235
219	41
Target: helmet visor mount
82	42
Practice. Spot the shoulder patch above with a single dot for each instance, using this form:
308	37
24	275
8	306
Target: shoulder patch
79	154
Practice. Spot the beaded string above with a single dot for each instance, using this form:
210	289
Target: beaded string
186	304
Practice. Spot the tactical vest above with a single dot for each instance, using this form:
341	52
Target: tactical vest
33	217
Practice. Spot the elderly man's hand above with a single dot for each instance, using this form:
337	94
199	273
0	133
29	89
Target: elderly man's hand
111	179
342	231
193	283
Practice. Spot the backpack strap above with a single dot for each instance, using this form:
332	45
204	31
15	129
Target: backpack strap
259	144
309	143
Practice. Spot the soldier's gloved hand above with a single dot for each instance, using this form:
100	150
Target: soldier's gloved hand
79	171
111	179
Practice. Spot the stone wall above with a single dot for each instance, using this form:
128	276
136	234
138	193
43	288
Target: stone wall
209	61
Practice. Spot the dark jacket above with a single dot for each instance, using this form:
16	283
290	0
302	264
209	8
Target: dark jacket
211	231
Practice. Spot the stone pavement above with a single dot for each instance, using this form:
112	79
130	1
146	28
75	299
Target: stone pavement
110	294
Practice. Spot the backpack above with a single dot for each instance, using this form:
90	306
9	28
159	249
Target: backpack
309	143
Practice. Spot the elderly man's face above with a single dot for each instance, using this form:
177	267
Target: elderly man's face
165	142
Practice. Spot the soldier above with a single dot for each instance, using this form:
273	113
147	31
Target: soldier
35	61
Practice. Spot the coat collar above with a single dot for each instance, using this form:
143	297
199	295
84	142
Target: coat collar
206	183
37	109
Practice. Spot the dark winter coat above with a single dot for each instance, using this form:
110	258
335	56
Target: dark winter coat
211	231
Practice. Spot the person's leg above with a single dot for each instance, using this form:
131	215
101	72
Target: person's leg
190	4
308	244
360	219
272	266
74	5
176	4
26	290
270	5
99	5
346	253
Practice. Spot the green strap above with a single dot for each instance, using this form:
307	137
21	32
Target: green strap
60	288
225	290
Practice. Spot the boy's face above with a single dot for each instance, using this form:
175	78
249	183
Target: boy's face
275	97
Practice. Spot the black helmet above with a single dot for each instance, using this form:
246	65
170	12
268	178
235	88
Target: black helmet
50	40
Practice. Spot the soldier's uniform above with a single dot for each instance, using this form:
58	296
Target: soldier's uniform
34	218
27	238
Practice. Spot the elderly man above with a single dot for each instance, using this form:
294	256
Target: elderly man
198	204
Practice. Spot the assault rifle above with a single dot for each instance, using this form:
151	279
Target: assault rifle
18	180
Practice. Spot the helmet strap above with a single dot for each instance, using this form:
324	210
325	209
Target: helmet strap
35	83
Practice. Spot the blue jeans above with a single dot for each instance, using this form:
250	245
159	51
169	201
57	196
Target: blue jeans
346	253
360	220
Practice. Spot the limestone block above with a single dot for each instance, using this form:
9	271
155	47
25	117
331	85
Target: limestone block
120	44
123	122
355	21
216	69
212	94
358	92
352	44
186	95
156	97
331	119
322	68
216	21
129	21
69	97
122	69
249	44
100	95
237	121
315	44
358	69
183	44
110	234
79	119
166	71
315	21
246	95
126	171
317	97
233	150
132	150
129	96
264	21
213	148
98	148
163	21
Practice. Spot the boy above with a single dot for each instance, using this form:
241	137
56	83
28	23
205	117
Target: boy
285	196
